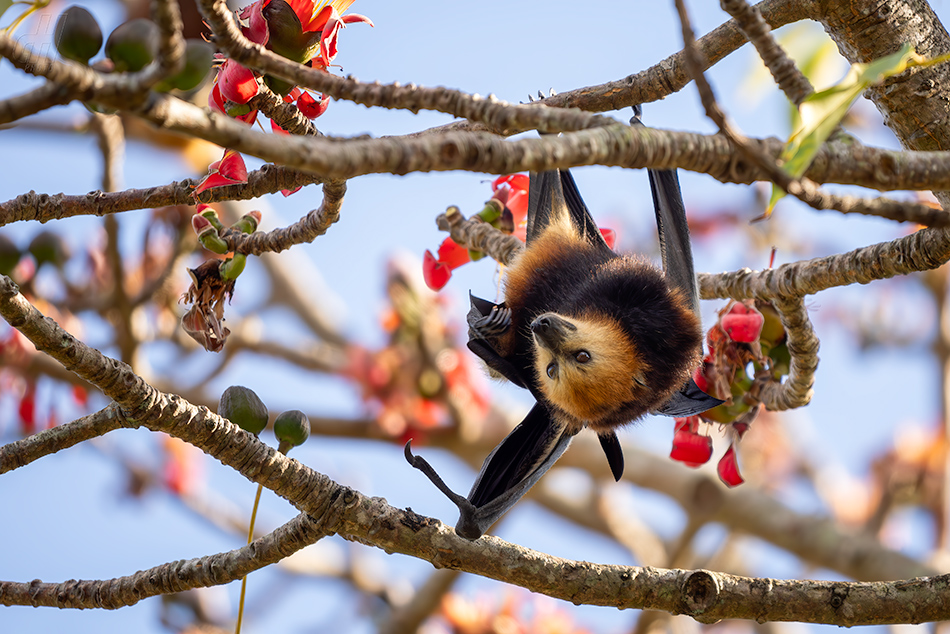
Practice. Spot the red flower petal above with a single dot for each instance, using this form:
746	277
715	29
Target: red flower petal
610	237
236	83
232	166
699	378
514	181
452	255
436	273
329	39
689	447
215	100
309	22
256	29
517	201
352	18
27	410
80	395
728	468
742	323
230	170
310	107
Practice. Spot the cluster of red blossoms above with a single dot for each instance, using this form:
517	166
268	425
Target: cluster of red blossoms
305	31
746	344
506	210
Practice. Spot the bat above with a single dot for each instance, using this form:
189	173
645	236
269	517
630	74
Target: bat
599	339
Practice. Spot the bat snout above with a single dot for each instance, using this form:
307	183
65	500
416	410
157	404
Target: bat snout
550	330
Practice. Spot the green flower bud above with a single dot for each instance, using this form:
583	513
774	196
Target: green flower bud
133	45
233	266
9	255
292	429
78	36
49	247
244	408
198	57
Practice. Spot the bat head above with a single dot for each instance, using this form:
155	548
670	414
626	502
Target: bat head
587	365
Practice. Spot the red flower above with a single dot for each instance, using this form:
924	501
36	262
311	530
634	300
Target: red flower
236	83
310	107
328	23
27	410
517	200
436	273
728	467
230	170
743	323
689	446
302	30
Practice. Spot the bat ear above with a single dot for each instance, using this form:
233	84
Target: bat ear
689	400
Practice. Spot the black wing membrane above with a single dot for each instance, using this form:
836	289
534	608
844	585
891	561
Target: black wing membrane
673	231
677	255
553	194
545	202
580	216
513	467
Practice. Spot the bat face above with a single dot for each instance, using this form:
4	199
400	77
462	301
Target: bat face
586	366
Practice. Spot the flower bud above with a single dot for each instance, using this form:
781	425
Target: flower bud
9	255
248	222
78	36
47	246
133	45
292	429
198	57
233	266
244	408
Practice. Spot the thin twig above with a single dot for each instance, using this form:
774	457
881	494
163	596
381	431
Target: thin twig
786	74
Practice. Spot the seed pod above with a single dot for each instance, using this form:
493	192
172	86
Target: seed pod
78	36
9	255
292	429
244	408
198	57
47	246
133	45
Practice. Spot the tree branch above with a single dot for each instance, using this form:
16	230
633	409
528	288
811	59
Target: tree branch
175	576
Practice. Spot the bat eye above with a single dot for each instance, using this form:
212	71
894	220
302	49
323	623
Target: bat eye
552	370
582	356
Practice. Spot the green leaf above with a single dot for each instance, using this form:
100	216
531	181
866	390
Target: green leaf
822	111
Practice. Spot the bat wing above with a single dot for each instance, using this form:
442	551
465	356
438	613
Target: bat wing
673	230
513	467
553	195
486	321
677	255
580	216
688	401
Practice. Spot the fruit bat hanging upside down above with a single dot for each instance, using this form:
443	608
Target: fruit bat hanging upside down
599	339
